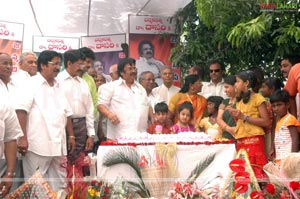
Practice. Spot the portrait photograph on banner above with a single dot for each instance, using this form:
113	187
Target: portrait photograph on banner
107	48
151	51
151	39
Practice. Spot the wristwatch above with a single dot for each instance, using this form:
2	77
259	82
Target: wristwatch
246	118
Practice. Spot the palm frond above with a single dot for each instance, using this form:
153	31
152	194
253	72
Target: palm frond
200	167
138	188
123	155
129	156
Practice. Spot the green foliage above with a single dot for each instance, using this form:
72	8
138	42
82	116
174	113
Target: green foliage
200	167
236	32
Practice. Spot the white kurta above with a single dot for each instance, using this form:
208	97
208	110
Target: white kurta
79	98
164	94
210	89
9	124
47	111
129	104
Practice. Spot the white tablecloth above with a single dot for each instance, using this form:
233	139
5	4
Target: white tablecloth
188	156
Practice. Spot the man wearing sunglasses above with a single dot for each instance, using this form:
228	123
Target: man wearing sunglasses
215	86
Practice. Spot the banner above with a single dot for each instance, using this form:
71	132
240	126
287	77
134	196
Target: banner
59	44
151	25
105	43
11	40
107	49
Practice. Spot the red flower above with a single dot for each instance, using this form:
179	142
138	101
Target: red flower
106	190
240	188
270	188
242	177
295	185
93	182
237	165
257	195
99	184
103	197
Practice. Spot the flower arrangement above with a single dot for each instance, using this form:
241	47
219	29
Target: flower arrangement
98	190
189	190
243	184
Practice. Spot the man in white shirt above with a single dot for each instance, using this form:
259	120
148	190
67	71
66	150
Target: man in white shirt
216	85
44	115
79	98
146	79
165	92
28	68
10	129
146	62
124	102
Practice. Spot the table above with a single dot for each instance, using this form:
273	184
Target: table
187	156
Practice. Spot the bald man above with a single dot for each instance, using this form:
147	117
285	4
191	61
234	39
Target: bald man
113	72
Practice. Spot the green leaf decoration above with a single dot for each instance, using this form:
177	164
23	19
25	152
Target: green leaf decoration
200	167
129	156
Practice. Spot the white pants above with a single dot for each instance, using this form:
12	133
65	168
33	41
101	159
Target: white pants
49	166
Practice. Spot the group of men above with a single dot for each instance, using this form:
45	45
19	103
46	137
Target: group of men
46	114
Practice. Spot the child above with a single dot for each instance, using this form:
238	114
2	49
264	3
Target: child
185	116
268	87
286	132
251	116
209	124
161	116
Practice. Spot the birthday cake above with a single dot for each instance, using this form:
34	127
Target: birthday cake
165	138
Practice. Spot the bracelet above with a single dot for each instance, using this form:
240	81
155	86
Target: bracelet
71	136
10	174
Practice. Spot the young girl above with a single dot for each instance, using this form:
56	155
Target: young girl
209	124
224	119
286	132
251	115
268	87
185	116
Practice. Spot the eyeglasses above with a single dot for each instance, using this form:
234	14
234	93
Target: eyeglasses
54	63
215	70
7	63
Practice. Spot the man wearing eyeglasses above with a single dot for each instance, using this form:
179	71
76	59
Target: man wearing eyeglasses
216	85
146	62
44	115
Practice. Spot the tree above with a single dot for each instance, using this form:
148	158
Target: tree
240	33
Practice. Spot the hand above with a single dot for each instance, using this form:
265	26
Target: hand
113	118
236	113
71	145
89	144
5	185
22	145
